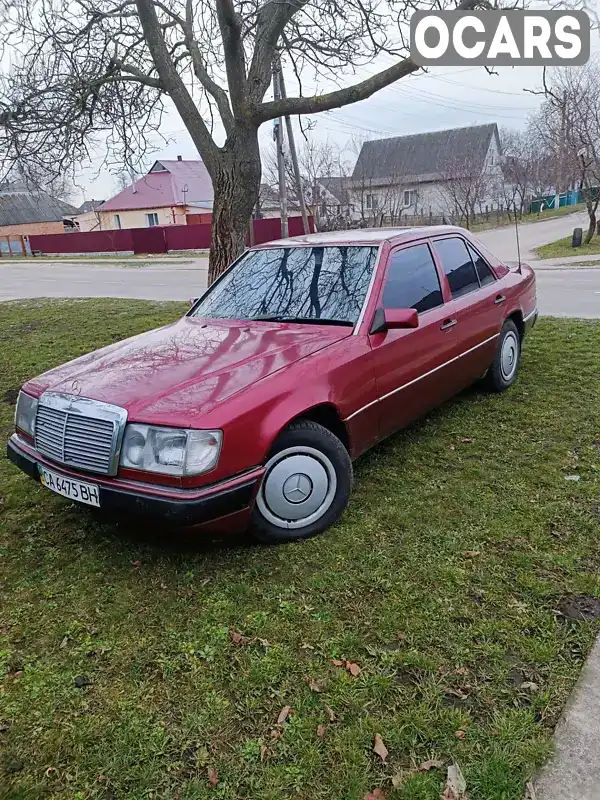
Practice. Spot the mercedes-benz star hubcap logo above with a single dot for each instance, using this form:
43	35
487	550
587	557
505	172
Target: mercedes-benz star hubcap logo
297	488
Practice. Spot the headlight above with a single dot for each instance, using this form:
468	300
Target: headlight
171	451
25	413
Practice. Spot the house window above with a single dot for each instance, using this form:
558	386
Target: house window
410	197
152	220
372	201
117	222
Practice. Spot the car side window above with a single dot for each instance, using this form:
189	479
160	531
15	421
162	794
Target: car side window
457	265
484	272
412	280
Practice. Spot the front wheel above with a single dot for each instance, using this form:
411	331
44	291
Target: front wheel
503	372
306	486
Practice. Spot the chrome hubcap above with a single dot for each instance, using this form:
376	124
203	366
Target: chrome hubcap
509	355
298	488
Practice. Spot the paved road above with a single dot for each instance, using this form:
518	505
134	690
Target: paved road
572	292
503	241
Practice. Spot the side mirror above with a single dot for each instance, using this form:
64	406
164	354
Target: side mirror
193	301
390	319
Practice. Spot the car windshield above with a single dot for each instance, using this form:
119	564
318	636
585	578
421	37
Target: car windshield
302	284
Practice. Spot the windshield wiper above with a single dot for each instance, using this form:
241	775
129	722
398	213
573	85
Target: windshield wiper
308	320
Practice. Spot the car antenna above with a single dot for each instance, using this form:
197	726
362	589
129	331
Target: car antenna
517	235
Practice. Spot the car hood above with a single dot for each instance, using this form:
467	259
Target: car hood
185	368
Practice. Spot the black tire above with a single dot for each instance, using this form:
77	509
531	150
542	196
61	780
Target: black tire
318	448
500	375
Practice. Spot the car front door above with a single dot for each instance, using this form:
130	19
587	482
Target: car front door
478	300
413	369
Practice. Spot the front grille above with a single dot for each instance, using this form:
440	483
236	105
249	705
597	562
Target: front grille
81	440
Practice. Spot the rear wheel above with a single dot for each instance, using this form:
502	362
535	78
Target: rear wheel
306	486
503	372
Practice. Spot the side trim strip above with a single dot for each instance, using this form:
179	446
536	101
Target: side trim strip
420	378
530	315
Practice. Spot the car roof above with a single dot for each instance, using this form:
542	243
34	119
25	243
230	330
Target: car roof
363	236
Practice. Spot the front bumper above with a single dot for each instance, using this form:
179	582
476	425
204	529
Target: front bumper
182	507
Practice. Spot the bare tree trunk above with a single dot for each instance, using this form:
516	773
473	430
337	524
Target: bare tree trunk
591	209
236	181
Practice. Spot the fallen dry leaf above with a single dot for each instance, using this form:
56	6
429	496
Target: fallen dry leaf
263	752
263	642
284	714
136	564
330	713
306	646
467	440
460	734
204	582
321	731
213	776
353	669
380	748
237	638
315	686
461	671
455	693
533	687
375	794
337	662
275	734
471	553
433	764
456	786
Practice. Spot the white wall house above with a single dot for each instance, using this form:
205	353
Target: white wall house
427	174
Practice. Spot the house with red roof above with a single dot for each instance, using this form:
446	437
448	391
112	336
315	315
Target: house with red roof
172	193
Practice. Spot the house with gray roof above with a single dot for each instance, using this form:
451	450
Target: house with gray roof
427	174
24	212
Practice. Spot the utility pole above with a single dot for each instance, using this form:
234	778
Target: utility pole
294	154
560	178
278	136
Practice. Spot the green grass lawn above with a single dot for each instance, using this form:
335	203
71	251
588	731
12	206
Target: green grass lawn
562	248
451	581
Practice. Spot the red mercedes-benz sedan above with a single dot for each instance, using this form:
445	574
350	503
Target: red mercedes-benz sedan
249	411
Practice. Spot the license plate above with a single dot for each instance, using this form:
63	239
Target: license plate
67	487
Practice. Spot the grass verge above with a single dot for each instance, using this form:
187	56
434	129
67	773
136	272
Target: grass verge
562	248
452	581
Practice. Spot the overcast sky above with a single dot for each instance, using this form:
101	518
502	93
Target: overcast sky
449	97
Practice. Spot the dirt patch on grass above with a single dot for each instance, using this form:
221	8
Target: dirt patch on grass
10	396
582	608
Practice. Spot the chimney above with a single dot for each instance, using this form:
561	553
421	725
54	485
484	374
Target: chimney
178	158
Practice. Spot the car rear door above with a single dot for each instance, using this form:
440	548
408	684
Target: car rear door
478	301
413	369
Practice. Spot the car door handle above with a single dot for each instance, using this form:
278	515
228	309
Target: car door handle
449	323
499	299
